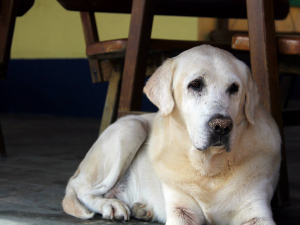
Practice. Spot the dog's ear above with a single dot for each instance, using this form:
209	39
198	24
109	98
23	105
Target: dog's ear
252	98
159	88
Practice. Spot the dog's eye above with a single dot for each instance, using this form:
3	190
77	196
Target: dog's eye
196	85
234	88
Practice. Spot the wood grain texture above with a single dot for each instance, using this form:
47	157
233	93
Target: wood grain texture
264	68
120	45
106	47
289	45
240	42
109	110
91	36
107	68
286	45
95	69
136	55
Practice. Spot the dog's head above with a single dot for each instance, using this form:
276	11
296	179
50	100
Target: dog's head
209	91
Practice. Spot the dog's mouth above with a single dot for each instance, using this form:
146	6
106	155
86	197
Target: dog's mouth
218	144
220	141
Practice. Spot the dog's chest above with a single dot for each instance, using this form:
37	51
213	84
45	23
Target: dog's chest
202	182
207	194
203	188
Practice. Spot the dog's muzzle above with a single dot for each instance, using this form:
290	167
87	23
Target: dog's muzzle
221	127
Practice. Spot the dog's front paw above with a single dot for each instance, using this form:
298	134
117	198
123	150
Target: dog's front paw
114	209
141	212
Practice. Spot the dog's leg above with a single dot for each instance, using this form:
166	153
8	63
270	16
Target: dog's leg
142	212
257	212
259	221
72	206
113	153
105	164
181	208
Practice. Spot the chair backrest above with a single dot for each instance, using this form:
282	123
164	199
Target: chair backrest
197	8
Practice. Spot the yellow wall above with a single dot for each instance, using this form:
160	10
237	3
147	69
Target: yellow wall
290	24
49	31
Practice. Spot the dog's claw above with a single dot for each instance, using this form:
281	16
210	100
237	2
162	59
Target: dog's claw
115	210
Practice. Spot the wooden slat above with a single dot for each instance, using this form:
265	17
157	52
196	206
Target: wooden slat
106	47
109	113
89	27
215	8
107	69
91	36
136	55
265	72
240	42
95	70
120	45
286	45
8	14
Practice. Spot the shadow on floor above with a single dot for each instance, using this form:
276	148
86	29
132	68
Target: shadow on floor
44	151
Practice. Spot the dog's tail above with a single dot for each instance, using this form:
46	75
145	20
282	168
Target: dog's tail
72	206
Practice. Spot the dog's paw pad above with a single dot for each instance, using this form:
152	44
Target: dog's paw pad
141	212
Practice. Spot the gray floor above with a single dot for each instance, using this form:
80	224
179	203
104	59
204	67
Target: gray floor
44	151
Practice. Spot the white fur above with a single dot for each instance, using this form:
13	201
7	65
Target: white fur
166	162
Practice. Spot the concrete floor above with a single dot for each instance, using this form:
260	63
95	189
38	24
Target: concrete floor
44	151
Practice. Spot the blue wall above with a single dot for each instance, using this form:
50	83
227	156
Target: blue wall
61	87
58	87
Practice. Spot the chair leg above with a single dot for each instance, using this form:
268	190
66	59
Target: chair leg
91	36
136	56
2	145
7	23
265	72
111	101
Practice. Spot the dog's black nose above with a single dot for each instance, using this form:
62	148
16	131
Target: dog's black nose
221	125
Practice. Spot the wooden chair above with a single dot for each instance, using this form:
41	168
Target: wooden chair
9	10
110	55
106	59
261	28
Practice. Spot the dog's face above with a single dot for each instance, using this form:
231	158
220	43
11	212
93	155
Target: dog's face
209	91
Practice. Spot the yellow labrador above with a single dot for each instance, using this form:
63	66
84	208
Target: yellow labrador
210	155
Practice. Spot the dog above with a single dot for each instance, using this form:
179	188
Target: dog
210	155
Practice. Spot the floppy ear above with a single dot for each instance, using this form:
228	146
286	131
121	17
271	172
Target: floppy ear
252	98
159	88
